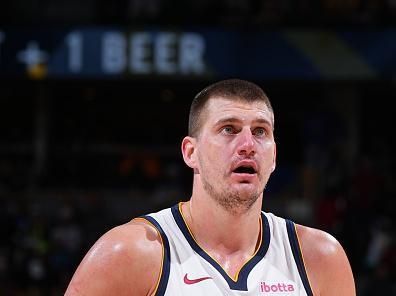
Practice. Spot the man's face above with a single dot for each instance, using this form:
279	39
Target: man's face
235	151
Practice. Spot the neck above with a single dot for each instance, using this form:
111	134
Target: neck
225	231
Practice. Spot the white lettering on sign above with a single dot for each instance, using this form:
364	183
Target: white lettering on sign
75	43
191	54
140	53
32	55
163	53
114	53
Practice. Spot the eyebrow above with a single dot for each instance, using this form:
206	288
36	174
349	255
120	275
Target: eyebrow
227	120
234	120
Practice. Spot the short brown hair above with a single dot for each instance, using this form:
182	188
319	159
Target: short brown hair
233	89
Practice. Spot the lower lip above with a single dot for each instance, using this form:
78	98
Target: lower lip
244	177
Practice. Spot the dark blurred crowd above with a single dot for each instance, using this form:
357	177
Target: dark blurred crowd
46	232
260	13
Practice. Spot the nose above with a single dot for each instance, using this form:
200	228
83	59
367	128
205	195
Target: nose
246	144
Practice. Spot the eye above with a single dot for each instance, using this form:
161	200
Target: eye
259	132
228	130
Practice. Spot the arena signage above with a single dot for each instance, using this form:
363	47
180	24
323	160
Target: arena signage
119	53
103	53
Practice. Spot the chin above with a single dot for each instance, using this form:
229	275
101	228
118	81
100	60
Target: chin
246	190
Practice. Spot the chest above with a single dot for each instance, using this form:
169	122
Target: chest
231	264
196	276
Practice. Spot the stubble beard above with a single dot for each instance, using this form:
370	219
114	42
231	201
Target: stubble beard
232	201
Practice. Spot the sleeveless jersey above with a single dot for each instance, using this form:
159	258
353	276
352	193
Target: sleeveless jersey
276	268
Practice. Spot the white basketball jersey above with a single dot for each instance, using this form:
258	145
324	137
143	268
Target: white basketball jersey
275	269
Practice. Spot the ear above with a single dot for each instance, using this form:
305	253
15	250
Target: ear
274	159
188	148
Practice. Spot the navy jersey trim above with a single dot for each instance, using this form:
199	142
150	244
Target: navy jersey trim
163	283
241	283
295	246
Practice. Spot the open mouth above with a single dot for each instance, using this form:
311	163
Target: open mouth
245	170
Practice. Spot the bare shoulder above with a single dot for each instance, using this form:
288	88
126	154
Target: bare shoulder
327	265
124	261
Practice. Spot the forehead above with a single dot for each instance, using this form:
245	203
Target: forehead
219	108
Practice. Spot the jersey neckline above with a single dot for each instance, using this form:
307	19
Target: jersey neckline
240	283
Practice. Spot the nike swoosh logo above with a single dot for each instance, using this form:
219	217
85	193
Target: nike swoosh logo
194	281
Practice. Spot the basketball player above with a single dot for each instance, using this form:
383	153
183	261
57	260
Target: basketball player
219	242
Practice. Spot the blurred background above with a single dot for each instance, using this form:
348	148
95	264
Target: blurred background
94	100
